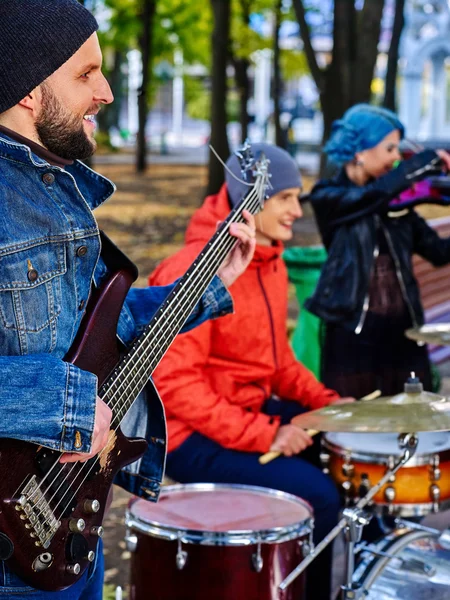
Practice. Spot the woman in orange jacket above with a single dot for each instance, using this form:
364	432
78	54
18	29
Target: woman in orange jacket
231	386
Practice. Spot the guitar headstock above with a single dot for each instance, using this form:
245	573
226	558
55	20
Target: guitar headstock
254	170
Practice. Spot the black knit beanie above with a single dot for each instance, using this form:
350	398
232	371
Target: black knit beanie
36	38
284	172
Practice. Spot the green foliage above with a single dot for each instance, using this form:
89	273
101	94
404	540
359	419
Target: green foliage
293	64
198	98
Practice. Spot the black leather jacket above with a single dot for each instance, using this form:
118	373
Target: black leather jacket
348	217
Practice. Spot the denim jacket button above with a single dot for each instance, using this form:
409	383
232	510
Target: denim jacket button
48	178
32	275
82	251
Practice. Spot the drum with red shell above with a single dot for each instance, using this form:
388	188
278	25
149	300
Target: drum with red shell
210	541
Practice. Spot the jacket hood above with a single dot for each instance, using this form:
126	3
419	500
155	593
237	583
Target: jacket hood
204	223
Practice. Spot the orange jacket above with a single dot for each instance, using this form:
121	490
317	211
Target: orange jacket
215	379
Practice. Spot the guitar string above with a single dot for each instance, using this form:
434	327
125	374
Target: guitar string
144	378
223	233
222	250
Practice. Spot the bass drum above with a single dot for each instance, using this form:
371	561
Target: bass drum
408	564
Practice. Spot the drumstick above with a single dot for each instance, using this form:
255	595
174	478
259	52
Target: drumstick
269	456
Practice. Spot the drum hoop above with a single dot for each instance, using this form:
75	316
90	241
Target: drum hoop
418	460
408	510
240	537
373	565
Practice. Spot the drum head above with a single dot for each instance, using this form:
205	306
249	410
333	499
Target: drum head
386	444
418	570
211	511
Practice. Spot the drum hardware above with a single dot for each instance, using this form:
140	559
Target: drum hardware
437	333
422	568
412	410
353	521
131	541
272	454
365	484
257	560
182	555
412	565
324	458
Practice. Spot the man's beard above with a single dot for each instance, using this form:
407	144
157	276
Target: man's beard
61	132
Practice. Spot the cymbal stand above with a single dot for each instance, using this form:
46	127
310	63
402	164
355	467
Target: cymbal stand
353	521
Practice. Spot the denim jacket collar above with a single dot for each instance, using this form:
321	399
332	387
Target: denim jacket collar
94	187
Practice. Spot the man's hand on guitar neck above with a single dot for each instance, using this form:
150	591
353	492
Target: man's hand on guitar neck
102	423
241	254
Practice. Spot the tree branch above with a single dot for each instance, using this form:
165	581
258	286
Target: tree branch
305	34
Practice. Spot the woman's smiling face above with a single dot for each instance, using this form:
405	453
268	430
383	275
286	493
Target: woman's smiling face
274	222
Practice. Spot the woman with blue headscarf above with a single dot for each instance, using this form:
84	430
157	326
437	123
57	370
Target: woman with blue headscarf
367	294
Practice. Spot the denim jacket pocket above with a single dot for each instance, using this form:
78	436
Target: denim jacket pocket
30	287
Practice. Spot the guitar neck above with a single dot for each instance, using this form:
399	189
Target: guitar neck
134	370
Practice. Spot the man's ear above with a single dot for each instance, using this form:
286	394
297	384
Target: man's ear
29	102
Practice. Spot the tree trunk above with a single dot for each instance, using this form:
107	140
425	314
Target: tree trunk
219	139
276	86
392	64
241	66
368	37
347	79
148	9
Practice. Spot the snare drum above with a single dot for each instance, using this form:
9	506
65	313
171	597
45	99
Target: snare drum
357	461
216	542
411	564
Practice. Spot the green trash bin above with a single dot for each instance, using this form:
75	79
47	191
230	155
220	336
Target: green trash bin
304	265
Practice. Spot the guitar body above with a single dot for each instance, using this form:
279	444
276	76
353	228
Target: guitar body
26	525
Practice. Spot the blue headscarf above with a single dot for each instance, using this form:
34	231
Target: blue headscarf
362	127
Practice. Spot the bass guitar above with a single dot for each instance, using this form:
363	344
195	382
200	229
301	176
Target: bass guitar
51	513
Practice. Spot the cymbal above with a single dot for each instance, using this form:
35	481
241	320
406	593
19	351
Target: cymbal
403	413
437	333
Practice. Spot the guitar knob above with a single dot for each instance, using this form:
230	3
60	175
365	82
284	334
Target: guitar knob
91	556
73	569
91	506
77	525
6	547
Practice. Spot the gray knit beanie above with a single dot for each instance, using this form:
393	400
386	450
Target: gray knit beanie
283	168
36	38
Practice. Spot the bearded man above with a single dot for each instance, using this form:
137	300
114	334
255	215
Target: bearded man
52	254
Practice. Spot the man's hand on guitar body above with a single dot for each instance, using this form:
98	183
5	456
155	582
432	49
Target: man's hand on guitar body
103	415
241	254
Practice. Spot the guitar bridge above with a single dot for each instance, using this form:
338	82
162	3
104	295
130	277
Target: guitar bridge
37	514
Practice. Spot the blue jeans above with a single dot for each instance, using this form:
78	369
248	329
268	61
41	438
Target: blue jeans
89	587
200	459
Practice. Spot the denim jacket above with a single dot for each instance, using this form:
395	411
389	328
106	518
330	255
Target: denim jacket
49	256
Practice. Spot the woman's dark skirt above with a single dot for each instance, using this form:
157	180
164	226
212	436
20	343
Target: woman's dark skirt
381	357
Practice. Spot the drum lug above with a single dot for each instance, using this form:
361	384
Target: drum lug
131	541
325	461
364	485
257	559
182	556
306	548
389	494
390	465
435	493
